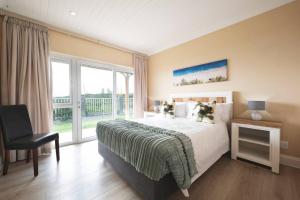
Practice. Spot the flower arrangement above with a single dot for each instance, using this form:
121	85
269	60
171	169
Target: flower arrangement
205	112
168	108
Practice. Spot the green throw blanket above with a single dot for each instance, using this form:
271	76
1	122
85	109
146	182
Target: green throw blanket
153	151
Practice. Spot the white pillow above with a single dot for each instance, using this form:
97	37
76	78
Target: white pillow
223	112
190	109
180	109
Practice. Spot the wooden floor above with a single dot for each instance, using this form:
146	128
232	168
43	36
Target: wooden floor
82	174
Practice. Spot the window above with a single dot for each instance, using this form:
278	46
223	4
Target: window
85	93
62	99
124	95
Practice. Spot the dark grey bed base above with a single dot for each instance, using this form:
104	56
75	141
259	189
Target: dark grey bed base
148	189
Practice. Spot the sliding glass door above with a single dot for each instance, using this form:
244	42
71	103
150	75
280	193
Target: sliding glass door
96	98
124	95
85	93
62	99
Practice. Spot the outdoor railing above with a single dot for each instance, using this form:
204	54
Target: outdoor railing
91	106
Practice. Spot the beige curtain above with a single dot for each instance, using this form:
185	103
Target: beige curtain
24	73
140	82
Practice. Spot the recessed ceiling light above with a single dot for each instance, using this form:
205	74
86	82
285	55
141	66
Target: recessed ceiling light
73	13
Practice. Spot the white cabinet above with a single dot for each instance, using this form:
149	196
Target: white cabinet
256	141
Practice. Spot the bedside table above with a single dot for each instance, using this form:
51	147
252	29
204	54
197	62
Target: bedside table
256	141
148	114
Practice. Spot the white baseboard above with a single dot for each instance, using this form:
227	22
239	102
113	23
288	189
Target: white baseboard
290	161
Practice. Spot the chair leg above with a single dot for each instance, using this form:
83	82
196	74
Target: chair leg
57	149
35	161
28	155
6	162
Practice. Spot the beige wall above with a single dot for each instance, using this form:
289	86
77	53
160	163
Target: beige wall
67	44
264	62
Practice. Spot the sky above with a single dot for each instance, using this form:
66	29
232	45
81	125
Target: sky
200	68
92	80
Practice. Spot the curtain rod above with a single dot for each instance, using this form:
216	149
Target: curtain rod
4	12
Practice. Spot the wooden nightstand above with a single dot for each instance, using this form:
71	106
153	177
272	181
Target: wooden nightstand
257	141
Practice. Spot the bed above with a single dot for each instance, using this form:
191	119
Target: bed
209	142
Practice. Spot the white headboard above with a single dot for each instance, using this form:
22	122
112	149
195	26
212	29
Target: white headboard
225	95
219	97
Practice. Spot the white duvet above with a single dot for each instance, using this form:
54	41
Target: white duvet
210	141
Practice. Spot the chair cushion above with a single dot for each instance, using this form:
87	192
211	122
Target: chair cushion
32	141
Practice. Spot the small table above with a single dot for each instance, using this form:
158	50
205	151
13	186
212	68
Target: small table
256	141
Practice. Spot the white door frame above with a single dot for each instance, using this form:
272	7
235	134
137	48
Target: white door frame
72	104
75	90
85	63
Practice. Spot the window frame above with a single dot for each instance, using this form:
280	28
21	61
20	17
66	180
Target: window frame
75	64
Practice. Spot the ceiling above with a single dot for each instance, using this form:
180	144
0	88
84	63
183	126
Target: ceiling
146	26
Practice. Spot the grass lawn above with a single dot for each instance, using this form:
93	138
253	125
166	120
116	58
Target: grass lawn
62	126
88	122
66	126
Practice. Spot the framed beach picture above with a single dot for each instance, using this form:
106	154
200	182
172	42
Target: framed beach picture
199	74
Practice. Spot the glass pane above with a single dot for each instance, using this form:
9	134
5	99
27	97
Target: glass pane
120	94
62	115
62	121
124	94
131	95
96	98
61	82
